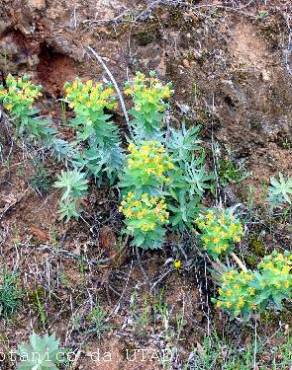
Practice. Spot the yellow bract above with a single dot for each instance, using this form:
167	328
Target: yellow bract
148	91
149	211
150	156
235	293
219	229
92	96
20	94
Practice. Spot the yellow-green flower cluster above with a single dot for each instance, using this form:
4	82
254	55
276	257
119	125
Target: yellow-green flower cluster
148	91
276	271
242	292
20	94
149	97
144	177
220	229
236	295
89	96
151	161
144	213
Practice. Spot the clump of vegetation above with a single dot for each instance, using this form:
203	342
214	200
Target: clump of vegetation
190	178
150	102
162	177
74	186
219	353
145	217
147	168
167	165
10	294
98	320
275	279
144	180
243	292
230	173
96	150
18	97
236	295
42	352
99	136
220	230
280	191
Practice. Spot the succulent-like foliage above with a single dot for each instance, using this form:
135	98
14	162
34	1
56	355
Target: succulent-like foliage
190	178
280	190
145	218
74	186
242	293
183	143
94	128
18	97
41	353
236	295
89	102
220	230
149	97
274	279
63	150
147	167
144	181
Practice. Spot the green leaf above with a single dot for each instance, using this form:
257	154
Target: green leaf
40	353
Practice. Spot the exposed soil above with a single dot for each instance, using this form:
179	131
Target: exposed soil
230	75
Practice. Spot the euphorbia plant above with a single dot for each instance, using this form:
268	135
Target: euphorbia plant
145	176
18	98
274	279
150	98
159	163
236	295
74	185
220	230
147	168
245	292
145	217
96	134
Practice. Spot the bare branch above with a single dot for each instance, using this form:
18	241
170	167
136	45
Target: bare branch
123	105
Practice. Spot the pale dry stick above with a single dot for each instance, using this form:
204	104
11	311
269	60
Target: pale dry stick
238	261
118	18
70	326
122	102
16	262
215	164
